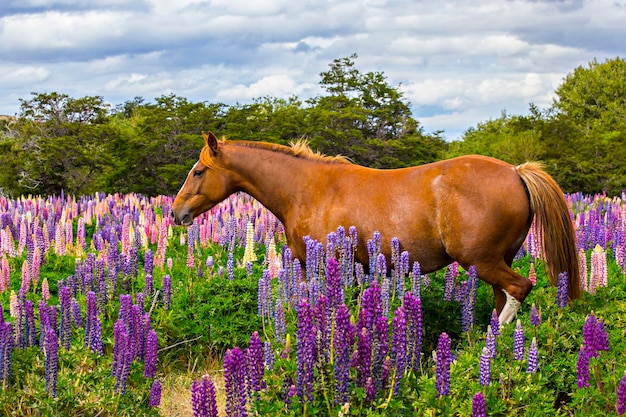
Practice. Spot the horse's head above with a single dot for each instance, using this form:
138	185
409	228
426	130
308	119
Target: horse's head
206	185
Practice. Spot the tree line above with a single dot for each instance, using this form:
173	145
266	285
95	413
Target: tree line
82	145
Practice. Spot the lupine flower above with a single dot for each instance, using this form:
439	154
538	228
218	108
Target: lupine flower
490	342
122	356
561	290
66	317
167	291
448	289
29	323
234	385
444	358
582	266
45	289
203	400
334	290
413	306
155	394
343	342
533	357
485	367
495	323
230	266
582	368
532	275
518	342
306	352
478	405
398	346
254	357
621	396
150	361
535	318
363	357
51	361
279	321
268	355
598	269
6	350
76	314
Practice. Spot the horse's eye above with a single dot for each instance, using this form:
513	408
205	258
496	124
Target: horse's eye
198	173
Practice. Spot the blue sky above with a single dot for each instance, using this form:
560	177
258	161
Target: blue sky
458	62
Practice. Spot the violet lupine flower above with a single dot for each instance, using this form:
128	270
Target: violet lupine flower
518	342
230	266
150	361
122	356
370	389
148	262
321	323
448	289
29	323
398	346
343	342
485	367
379	348
155	394
167	291
306	352
279	321
6	350
363	357
51	350
66	317
535	318
582	368
234	385
413	306
381	266
495	323
533	357
416	279
621	396
76	314
444	359
334	290
255	362
203	400
44	322
268	355
561	290
490	342
385	294
478	405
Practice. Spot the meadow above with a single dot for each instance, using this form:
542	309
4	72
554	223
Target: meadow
109	309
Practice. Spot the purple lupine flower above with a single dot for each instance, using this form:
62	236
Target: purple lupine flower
122	355
381	266
167	291
77	317
535	318
148	262
448	289
398	346
589	334
490	342
51	350
416	279
621	396
155	394
444	358
343	342
306	351
66	317
561	290
29	323
582	368
495	323
379	347
90	317
370	389
268	355
230	266
533	357
44	322
601	340
518	342
203	400
363	357
478	405
334	290
95	342
485	367
262	300
413	306
321	322
234	385
6	350
150	361
254	357
149	285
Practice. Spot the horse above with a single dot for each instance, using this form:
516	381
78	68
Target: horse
474	210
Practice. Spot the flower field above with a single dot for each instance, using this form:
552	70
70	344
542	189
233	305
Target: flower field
103	300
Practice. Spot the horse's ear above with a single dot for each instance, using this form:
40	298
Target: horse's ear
210	140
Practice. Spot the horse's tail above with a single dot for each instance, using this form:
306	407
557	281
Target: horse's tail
555	226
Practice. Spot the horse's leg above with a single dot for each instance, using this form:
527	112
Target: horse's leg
510	288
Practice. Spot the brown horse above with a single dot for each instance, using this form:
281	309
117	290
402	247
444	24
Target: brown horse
473	209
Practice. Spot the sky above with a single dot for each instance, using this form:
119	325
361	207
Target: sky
458	63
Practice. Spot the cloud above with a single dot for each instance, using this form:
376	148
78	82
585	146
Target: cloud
458	62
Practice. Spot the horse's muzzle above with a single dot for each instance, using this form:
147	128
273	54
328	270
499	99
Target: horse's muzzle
185	218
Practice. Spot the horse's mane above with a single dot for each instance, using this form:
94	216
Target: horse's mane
298	149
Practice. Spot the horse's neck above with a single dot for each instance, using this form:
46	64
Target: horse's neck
275	179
